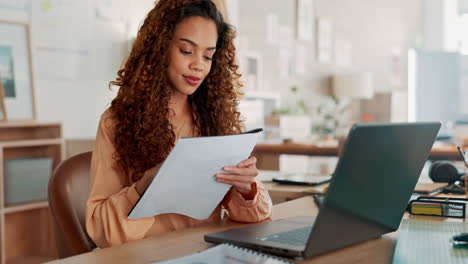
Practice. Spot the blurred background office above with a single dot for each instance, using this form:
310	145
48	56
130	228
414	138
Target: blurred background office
311	69
401	60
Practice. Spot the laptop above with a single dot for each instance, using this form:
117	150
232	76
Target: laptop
367	197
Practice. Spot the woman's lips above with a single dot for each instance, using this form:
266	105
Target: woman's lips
192	80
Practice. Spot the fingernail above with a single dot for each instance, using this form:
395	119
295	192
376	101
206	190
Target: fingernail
227	168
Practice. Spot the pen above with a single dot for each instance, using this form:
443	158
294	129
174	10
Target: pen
462	153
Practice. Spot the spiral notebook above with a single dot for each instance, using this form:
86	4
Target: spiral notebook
226	254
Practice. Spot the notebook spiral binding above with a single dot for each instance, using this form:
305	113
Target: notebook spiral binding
259	254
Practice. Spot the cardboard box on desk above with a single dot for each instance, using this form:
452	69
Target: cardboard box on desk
294	127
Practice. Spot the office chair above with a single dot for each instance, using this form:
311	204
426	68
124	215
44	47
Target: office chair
68	192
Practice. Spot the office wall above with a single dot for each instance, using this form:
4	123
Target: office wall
441	34
74	91
440	24
375	29
78	103
463	4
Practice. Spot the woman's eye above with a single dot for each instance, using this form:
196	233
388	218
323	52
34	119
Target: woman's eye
208	58
185	52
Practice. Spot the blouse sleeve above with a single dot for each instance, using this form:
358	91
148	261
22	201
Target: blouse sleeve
241	210
110	200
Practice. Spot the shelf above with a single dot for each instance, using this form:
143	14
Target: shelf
26	123
31	143
27	130
28	234
25	206
26	228
29	260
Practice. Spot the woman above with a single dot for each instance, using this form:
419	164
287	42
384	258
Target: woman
180	80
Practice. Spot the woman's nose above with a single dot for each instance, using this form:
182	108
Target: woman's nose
197	63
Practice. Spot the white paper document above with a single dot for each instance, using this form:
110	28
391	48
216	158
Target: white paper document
186	184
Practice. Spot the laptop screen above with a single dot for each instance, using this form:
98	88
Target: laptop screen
379	168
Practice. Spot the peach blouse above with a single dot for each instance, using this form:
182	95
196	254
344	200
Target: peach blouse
110	200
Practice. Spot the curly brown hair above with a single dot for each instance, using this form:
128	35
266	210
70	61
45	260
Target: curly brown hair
143	134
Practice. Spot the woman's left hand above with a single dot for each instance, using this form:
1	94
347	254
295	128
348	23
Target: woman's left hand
240	177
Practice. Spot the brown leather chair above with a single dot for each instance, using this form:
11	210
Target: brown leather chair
68	192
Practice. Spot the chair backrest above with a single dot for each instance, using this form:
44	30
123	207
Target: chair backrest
68	192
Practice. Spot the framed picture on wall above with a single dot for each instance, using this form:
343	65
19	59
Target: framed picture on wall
305	19
16	71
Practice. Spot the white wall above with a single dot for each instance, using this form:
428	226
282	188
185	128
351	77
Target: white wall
463	6
433	26
440	24
79	102
374	28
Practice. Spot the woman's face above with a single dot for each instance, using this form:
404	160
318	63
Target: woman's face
190	54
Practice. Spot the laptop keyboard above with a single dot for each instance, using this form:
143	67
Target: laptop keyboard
292	237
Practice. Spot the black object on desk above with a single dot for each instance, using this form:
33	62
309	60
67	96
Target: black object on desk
305	179
454	189
460	240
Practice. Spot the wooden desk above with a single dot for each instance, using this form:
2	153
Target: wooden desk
189	241
186	242
268	154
